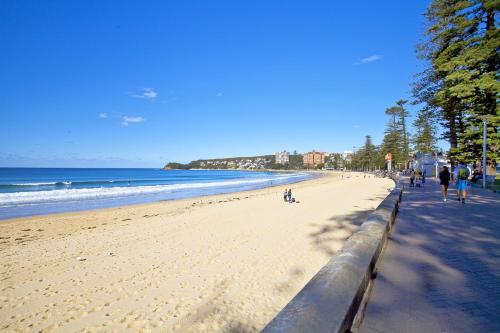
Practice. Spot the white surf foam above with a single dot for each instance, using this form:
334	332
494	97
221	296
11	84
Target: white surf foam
36	197
33	184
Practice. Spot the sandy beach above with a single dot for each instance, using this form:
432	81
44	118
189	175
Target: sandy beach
223	263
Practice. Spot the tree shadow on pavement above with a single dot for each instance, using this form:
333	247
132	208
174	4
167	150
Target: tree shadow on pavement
456	253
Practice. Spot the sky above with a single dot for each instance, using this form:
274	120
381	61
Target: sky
142	83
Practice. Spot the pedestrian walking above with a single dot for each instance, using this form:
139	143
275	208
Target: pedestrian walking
444	181
412	178
462	174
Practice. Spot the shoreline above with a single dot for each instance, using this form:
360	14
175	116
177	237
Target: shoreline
124	201
209	264
145	204
153	204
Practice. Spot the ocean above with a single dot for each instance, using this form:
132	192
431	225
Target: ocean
37	191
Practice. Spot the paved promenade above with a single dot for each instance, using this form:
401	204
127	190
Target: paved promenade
441	268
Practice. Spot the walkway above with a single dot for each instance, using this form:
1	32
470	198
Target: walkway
441	268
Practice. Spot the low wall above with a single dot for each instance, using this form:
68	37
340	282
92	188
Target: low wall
330	301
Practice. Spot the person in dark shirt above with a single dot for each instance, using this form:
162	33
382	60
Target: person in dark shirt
412	178
444	180
476	176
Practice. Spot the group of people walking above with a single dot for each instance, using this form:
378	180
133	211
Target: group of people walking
461	176
417	177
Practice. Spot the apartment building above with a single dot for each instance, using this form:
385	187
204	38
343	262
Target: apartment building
313	158
282	157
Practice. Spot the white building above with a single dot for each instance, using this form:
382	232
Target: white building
282	157
347	156
431	163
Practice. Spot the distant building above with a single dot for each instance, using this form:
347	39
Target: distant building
282	157
334	161
347	156
313	158
430	163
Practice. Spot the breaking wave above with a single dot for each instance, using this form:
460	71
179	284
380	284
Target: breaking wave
60	195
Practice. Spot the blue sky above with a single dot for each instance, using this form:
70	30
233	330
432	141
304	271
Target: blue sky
141	83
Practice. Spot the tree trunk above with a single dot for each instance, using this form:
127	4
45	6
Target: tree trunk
450	117
491	100
405	141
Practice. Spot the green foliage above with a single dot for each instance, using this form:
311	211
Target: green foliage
367	158
396	138
461	83
424	139
176	166
319	166
296	161
334	161
402	115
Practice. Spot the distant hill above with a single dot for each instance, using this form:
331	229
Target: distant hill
239	163
249	162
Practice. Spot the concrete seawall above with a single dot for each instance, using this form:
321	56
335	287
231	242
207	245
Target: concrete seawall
331	300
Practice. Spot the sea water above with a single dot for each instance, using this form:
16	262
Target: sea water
35	191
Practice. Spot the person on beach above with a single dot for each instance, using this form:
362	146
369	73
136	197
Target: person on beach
462	174
412	178
289	194
285	195
444	181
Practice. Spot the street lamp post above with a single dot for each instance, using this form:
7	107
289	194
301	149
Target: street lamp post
485	124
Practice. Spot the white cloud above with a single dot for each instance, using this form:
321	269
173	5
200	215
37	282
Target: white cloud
147	93
128	120
369	59
103	115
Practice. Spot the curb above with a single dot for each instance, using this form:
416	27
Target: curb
330	301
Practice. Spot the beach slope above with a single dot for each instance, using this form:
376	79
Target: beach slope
225	263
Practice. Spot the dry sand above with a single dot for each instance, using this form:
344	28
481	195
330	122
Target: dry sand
225	263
